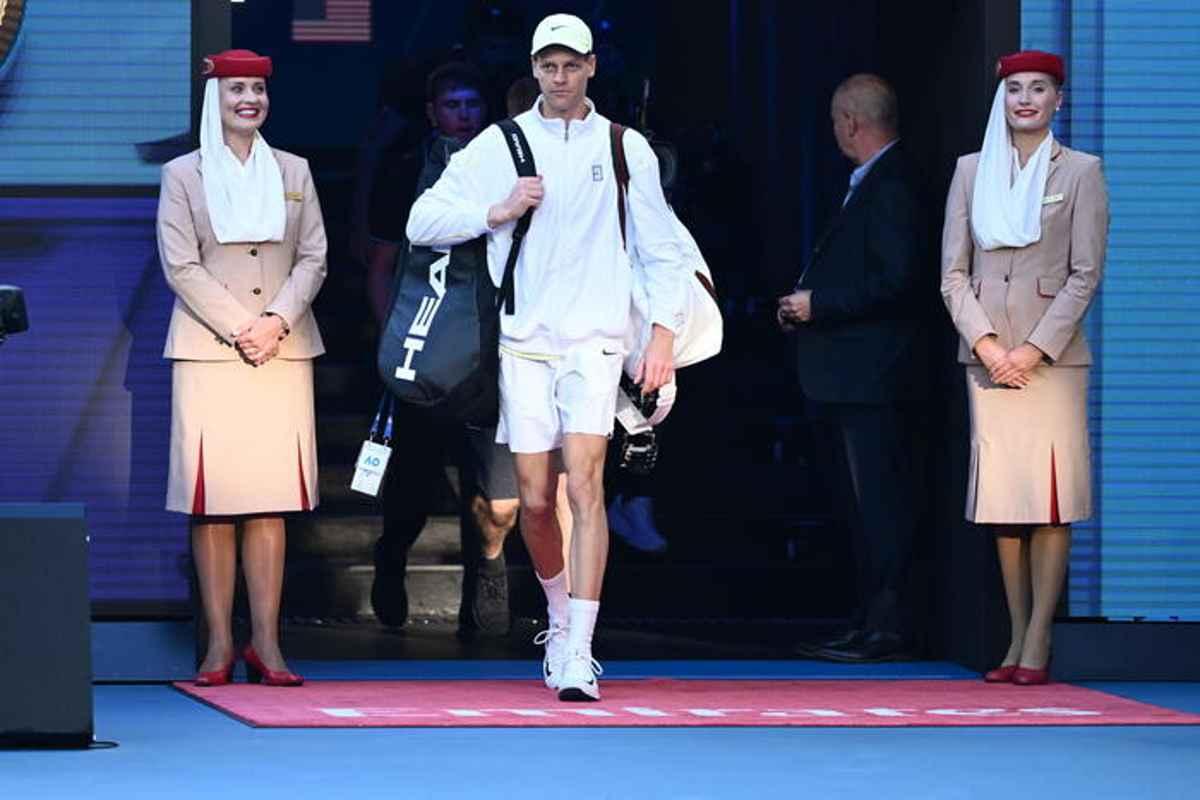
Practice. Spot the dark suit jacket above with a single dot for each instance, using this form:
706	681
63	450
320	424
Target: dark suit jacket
865	274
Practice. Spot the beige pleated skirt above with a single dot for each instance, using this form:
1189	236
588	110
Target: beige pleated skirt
243	438
1031	463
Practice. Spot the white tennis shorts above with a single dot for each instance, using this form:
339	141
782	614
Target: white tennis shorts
542	398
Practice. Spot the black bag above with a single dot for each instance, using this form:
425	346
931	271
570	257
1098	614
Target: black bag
440	348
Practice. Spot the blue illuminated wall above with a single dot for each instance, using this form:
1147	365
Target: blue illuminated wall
85	398
94	82
1133	98
84	394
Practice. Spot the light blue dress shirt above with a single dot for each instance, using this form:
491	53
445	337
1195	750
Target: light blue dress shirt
859	174
856	178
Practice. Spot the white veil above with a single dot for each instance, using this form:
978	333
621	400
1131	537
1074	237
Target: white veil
245	201
1006	205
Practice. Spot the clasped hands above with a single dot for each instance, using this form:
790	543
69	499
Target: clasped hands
794	309
1013	368
258	342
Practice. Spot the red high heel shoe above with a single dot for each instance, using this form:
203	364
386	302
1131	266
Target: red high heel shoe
1000	674
256	671
216	677
1025	676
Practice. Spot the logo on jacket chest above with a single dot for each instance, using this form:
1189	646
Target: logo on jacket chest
597	173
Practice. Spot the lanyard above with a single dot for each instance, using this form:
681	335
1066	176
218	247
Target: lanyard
386	404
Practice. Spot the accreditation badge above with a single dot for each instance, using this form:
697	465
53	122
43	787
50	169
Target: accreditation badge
370	468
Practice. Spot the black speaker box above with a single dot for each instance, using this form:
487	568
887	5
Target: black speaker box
13	316
45	627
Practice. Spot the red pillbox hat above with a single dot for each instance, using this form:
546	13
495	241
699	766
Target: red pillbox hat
236	64
1031	61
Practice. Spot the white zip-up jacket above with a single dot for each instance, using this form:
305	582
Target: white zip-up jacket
572	281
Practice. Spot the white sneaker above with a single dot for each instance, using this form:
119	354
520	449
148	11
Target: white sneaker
578	682
555	640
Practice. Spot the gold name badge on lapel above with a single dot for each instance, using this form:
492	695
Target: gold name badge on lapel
298	197
1052	198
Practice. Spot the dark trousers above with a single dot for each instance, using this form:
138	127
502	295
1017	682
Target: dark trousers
421	446
866	455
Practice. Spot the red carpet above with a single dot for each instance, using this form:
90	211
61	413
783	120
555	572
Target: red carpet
667	703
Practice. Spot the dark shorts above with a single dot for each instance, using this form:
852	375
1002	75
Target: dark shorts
490	464
423	446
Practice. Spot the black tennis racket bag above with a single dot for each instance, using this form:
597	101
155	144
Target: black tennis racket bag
440	347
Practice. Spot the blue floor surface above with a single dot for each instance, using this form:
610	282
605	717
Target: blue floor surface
174	747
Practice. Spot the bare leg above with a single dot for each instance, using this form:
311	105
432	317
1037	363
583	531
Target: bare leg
1012	546
214	552
263	544
562	511
495	519
1049	551
583	455
539	527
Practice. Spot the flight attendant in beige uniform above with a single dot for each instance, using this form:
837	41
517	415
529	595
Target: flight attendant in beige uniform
242	244
1022	254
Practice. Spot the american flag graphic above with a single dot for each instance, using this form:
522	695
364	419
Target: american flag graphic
332	21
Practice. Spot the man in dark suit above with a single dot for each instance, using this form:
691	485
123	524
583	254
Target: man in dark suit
853	313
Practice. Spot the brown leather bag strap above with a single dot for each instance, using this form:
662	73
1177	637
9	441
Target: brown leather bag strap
621	170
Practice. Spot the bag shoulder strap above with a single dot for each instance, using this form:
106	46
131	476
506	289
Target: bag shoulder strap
522	156
518	147
621	170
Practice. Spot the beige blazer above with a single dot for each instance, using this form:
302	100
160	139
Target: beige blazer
220	288
1040	292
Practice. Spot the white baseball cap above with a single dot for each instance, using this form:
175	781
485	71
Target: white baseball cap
563	30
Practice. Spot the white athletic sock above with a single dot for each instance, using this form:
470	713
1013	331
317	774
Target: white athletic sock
556	597
582	615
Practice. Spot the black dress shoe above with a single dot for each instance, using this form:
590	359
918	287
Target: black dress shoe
872	648
846	638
